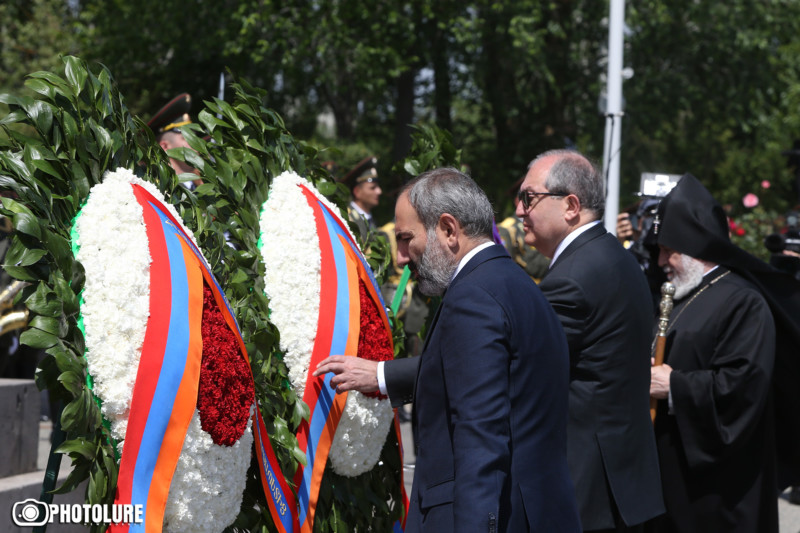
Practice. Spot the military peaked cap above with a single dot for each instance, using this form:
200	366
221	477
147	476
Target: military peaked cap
173	115
365	171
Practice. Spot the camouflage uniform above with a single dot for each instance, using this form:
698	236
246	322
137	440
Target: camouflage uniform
528	257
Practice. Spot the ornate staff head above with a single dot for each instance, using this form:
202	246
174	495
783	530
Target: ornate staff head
665	307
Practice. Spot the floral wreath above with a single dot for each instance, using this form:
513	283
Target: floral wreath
211	390
291	254
45	183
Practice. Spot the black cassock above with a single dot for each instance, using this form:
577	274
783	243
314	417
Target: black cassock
716	449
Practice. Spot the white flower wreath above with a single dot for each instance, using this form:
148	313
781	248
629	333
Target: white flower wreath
291	252
206	490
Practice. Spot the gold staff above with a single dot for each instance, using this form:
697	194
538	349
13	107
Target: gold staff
665	308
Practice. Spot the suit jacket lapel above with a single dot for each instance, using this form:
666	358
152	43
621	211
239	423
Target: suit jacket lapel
481	257
484	255
592	233
428	335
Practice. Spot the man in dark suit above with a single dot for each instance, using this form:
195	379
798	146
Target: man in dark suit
602	299
491	390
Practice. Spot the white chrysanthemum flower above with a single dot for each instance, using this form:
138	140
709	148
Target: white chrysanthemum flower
360	435
116	296
291	251
206	491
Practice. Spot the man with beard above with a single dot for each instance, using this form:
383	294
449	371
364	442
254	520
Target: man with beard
491	391
602	298
715	421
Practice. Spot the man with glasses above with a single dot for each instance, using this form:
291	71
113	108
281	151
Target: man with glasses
510	229
603	302
602	299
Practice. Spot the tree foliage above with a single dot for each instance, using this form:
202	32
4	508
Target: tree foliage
714	91
32	35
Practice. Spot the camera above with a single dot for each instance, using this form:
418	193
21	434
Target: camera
30	513
657	185
778	243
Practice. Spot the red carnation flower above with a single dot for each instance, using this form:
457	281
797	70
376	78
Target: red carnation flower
373	340
226	390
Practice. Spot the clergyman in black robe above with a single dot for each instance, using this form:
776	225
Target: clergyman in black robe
715	430
715	445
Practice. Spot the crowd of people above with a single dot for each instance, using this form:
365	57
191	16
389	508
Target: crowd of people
531	402
532	390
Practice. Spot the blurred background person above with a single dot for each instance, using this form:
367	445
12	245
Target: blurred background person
366	192
633	229
166	124
633	225
784	247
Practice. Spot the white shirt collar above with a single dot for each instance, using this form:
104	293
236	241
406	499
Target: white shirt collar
571	237
360	211
468	256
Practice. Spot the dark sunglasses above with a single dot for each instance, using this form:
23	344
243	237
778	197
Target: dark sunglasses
526	197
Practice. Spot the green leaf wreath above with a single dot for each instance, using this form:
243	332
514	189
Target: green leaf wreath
53	149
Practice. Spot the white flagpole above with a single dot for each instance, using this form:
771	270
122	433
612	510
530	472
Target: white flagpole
611	152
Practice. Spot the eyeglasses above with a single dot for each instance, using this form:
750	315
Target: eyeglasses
526	197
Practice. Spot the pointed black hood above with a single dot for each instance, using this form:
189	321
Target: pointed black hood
691	222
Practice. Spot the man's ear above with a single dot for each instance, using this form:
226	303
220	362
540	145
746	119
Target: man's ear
164	144
450	229
573	207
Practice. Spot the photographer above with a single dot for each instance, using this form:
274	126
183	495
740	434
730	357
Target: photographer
633	225
785	246
633	229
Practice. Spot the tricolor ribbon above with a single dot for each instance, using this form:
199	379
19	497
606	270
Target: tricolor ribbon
342	265
280	499
166	388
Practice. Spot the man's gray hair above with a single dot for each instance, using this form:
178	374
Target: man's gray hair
446	190
575	174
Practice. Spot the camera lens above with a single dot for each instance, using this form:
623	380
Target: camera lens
30	513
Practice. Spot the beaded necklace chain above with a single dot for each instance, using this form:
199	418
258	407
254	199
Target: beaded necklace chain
698	293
